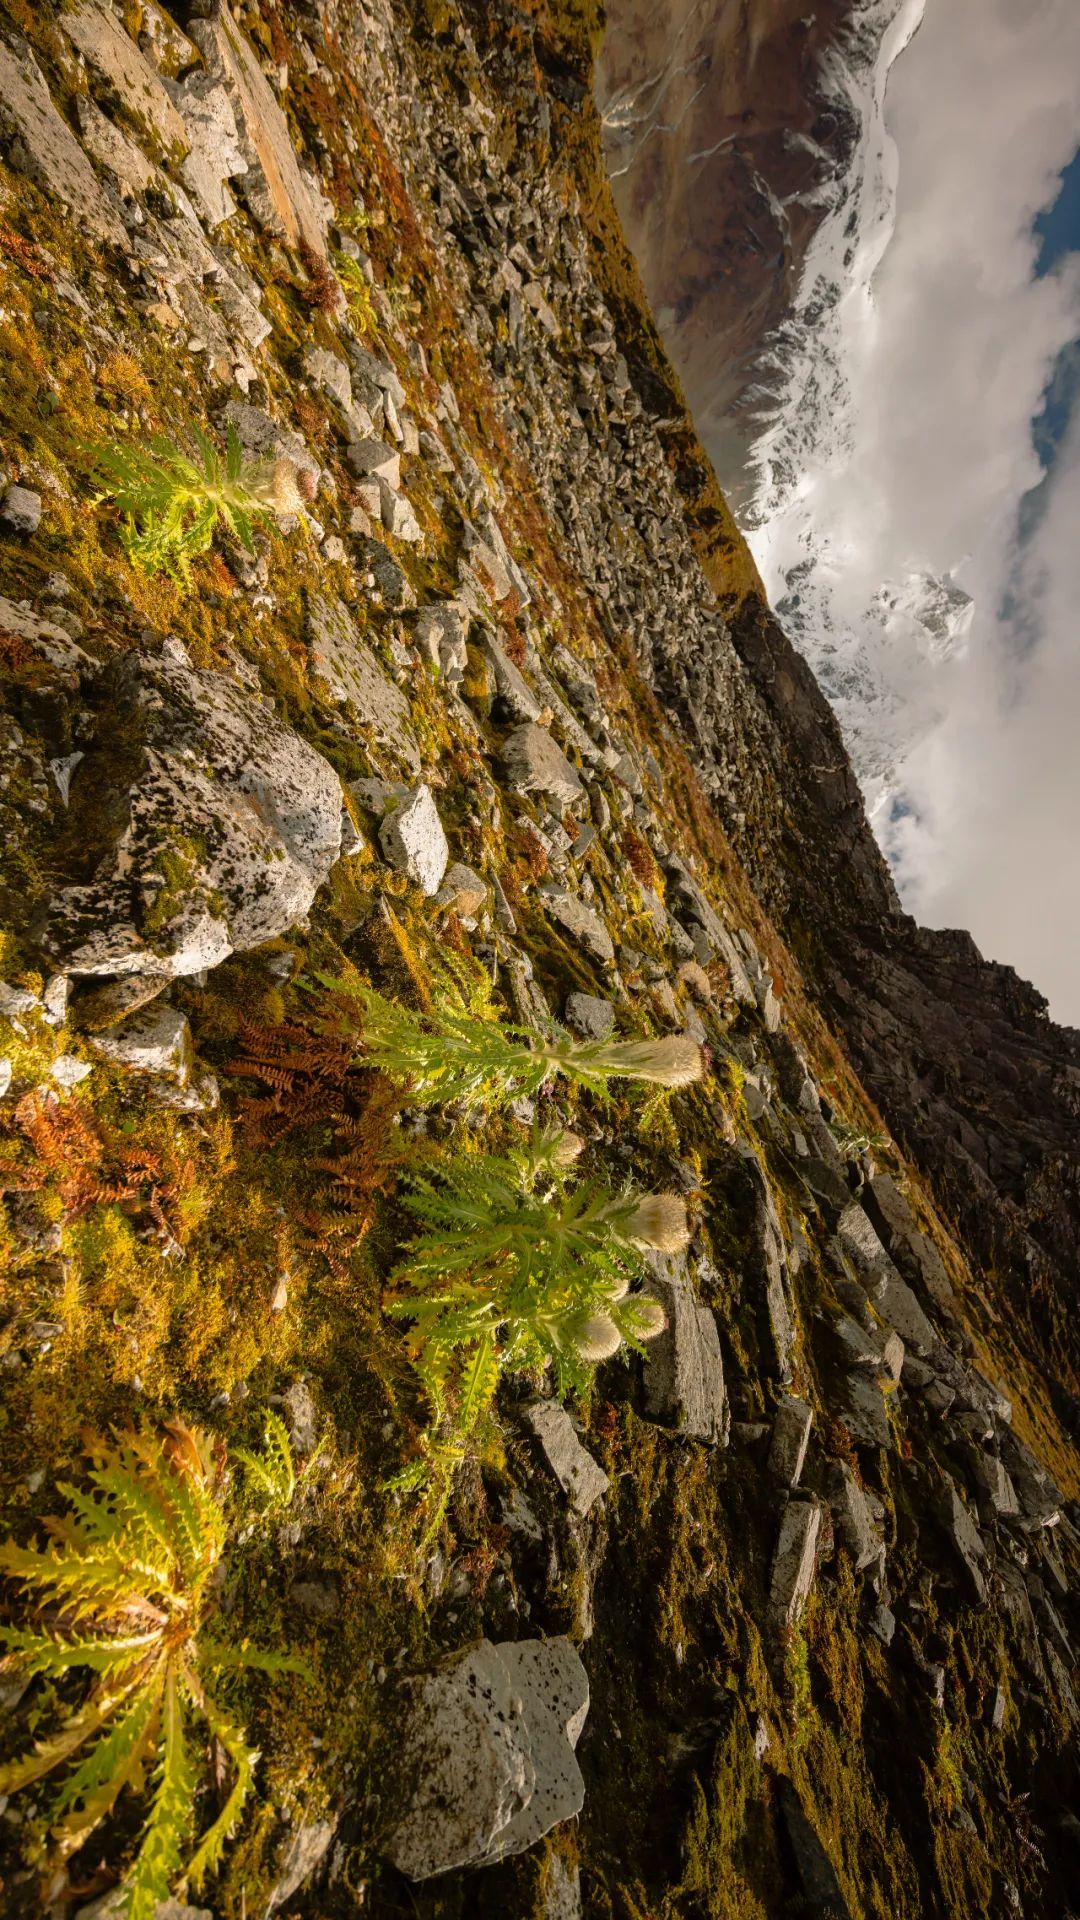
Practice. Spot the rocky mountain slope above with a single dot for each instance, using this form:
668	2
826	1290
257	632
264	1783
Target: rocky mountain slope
774	1616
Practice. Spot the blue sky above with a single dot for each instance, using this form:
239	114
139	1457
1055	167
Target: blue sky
1057	229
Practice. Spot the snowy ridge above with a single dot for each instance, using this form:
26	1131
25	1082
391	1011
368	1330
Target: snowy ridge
870	644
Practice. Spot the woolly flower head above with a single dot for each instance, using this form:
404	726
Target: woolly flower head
599	1338
282	486
659	1221
675	1061
649	1320
565	1148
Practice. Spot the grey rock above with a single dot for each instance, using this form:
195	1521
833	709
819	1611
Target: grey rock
156	1040
938	1396
398	516
116	64
862	1246
580	923
48	642
510	683
131	170
861	1347
581	1479
20	511
412	840
562	1891
222	825
893	1354
266	438
966	1541
463	889
374	460
864	1412
375	372
391	582
897	1304
852	1516
684	1374
377	795
877	1273
441	635
215	155
326	371
489	1756
790	1439
824	1181
305	1853
774	1262
349	671
534	764
67	1070
883	1625
996	1494
319	1599
301	1416
589	1015
913	1251
273	188
1040	1500
42	145
794	1562
822	1893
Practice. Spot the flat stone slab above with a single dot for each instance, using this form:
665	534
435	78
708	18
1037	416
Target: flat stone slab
43	146
510	683
580	923
488	1753
589	1015
790	1438
155	1040
412	839
865	1414
794	1562
535	764
854	1522
350	673
222	825
897	1304
684	1374
273	187
967	1543
581	1478
118	64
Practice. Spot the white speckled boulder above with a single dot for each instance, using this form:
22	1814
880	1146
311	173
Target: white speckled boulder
489	1756
209	825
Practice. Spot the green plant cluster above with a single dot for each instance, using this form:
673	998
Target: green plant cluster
173	504
125	1592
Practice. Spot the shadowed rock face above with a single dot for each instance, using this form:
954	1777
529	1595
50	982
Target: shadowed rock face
719	140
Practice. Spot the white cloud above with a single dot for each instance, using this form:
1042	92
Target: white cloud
998	848
945	367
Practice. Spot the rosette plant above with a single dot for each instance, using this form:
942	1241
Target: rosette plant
123	1593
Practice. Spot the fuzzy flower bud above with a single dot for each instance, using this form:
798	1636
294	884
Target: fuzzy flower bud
675	1061
565	1148
599	1338
659	1221
280	485
650	1319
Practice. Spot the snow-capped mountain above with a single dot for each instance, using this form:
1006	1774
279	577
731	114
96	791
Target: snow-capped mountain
781	406
874	645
